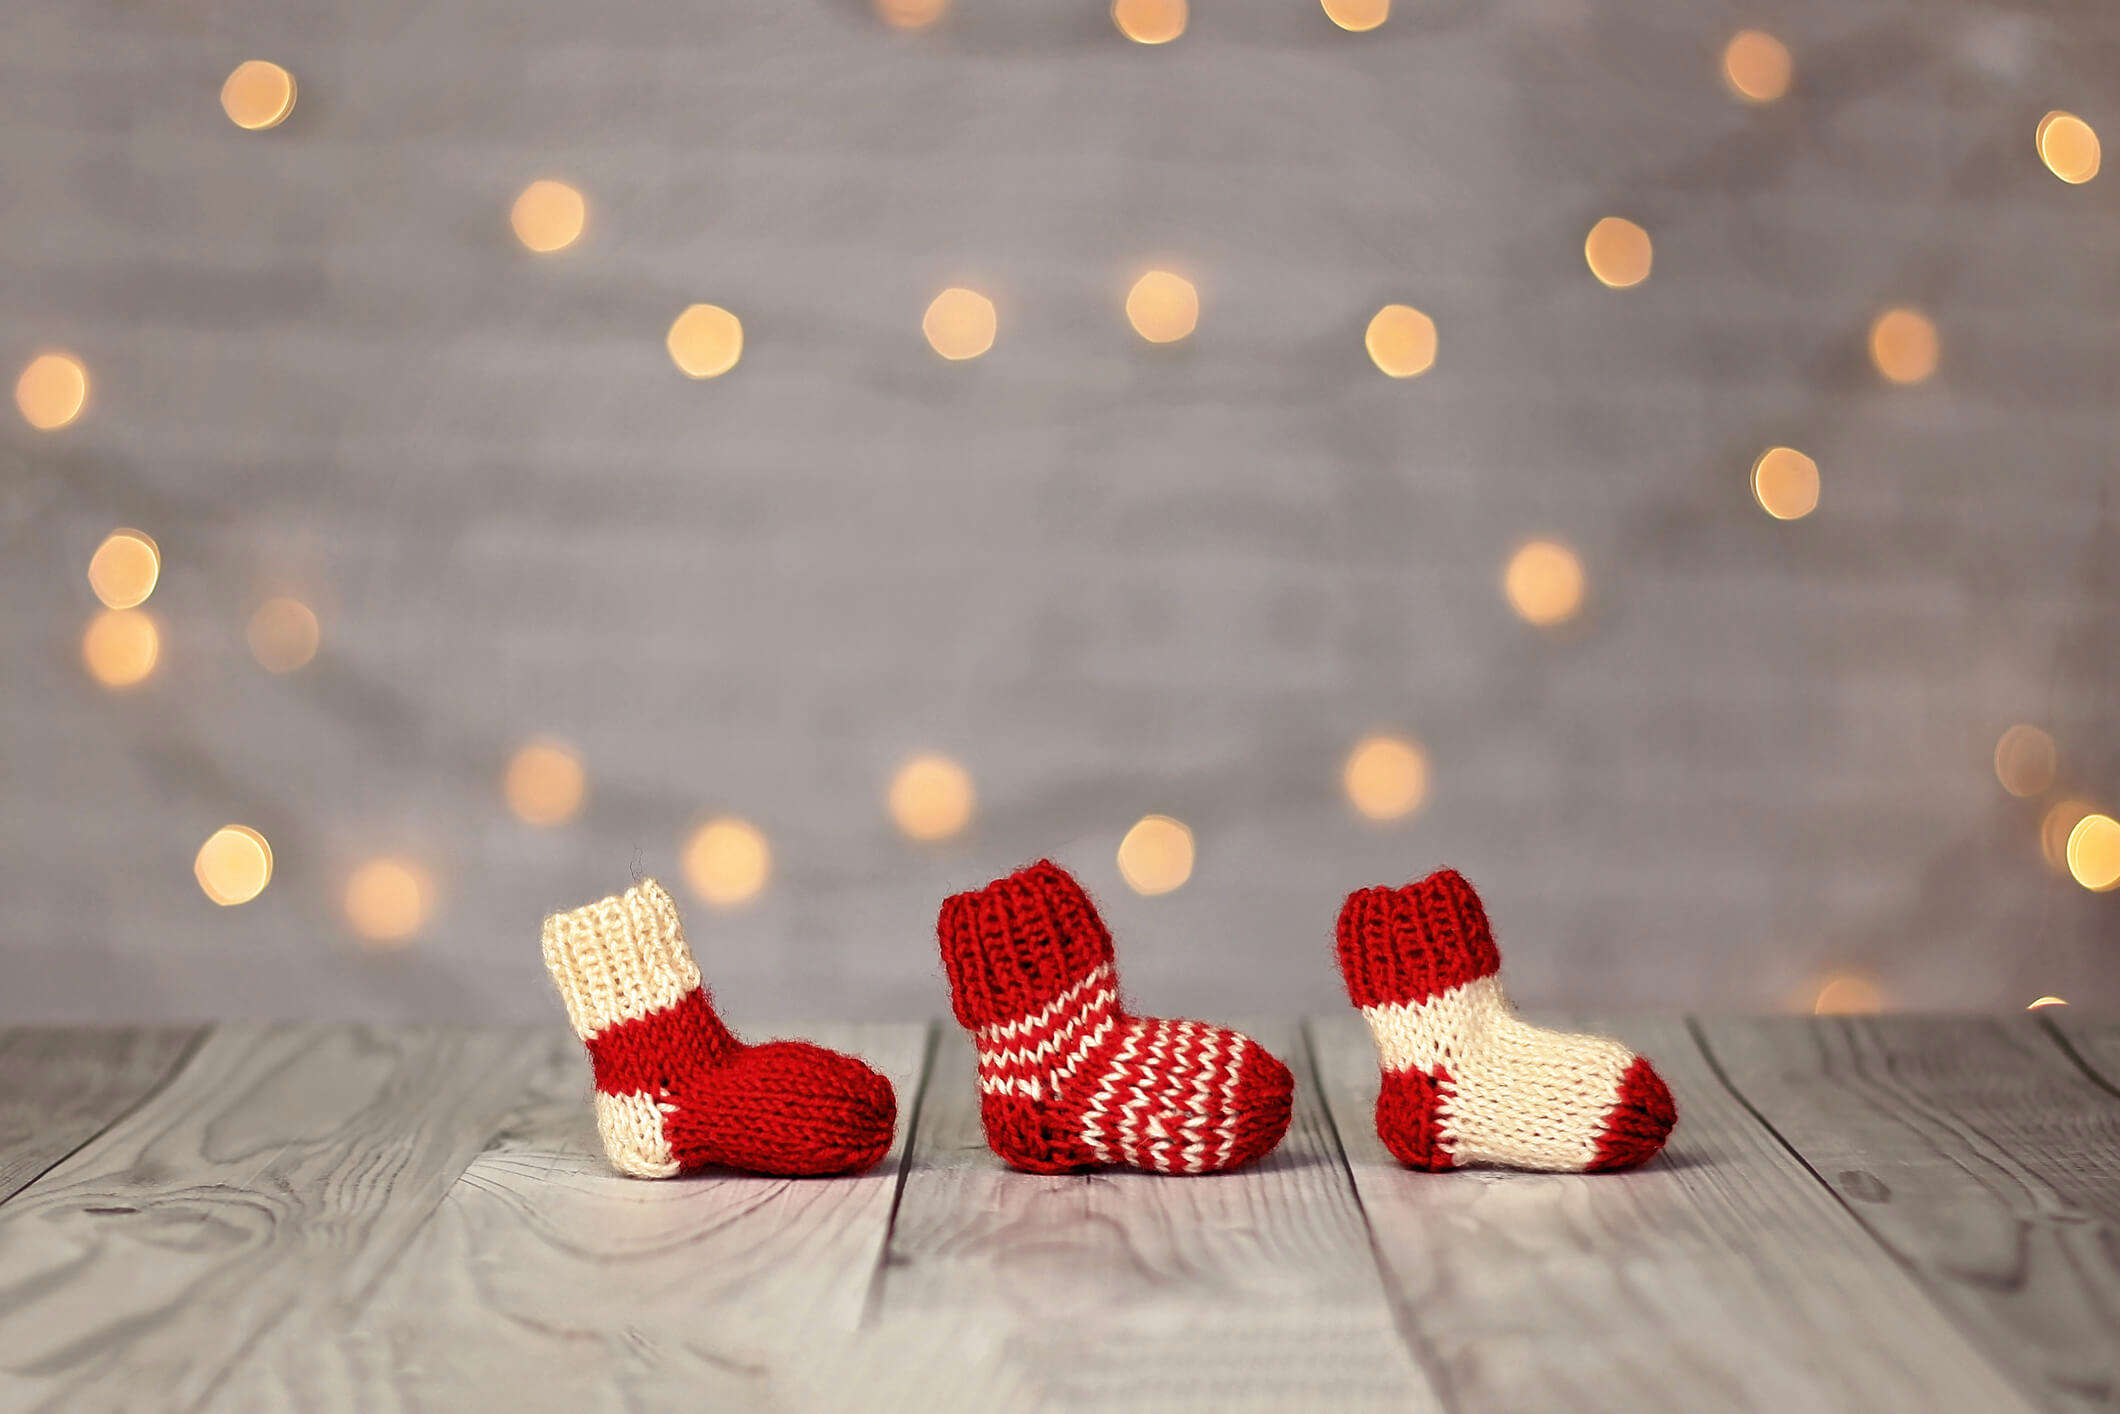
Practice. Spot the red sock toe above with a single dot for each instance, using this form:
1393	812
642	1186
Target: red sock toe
1640	1120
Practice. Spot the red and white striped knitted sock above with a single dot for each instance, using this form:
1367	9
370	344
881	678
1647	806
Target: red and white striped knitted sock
674	1089
1068	1079
1466	1082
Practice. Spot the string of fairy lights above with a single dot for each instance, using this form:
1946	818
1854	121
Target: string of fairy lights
727	861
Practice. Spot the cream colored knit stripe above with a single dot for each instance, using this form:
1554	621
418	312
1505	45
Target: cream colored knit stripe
619	958
632	1127
1518	1094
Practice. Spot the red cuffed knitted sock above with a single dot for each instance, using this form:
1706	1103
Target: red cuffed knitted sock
1466	1082
674	1089
1067	1078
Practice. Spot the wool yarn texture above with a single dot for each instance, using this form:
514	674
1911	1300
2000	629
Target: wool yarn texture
1464	1080
1068	1078
675	1089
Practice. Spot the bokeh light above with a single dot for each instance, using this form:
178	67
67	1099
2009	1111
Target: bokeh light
1785	483
282	635
2055	827
545	782
705	341
2025	760
2094	852
1163	307
258	94
52	391
121	647
1149	21
910	14
1156	856
1904	345
388	899
931	797
1618	252
959	323
1848	994
727	861
234	865
1756	66
548	216
1544	583
1401	341
2047	1002
125	568
2069	147
1386	777
1357	15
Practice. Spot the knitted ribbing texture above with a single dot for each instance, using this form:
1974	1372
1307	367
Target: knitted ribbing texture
1464	1080
1068	1078
674	1089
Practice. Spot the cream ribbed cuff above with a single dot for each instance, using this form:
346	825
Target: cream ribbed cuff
619	958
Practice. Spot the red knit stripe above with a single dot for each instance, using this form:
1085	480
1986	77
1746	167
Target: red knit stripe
1409	944
648	1053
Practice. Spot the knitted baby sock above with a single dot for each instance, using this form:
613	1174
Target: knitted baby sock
1067	1078
674	1089
1465	1081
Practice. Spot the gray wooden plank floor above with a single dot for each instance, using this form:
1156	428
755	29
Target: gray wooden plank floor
1721	1276
1884	1214
1980	1155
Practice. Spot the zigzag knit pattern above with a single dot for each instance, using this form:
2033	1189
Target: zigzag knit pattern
674	1089
1068	1079
1465	1081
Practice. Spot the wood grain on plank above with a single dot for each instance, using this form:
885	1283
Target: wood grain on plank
1253	1288
547	1280
1721	1276
61	1086
1978	1152
277	1174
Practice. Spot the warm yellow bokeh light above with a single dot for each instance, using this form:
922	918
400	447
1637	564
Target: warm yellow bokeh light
910	14
2069	147
234	865
121	647
258	94
1618	252
959	323
1848	994
2094	852
545	782
548	216
387	900
705	341
1756	66
1904	345
1163	307
1401	341
1785	483
52	391
1156	856
2047	1002
125	567
1386	777
2054	829
726	861
2025	760
282	635
931	797
1544	583
1357	15
1149	21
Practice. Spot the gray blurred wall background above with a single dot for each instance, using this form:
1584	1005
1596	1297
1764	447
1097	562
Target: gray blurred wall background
1109	578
